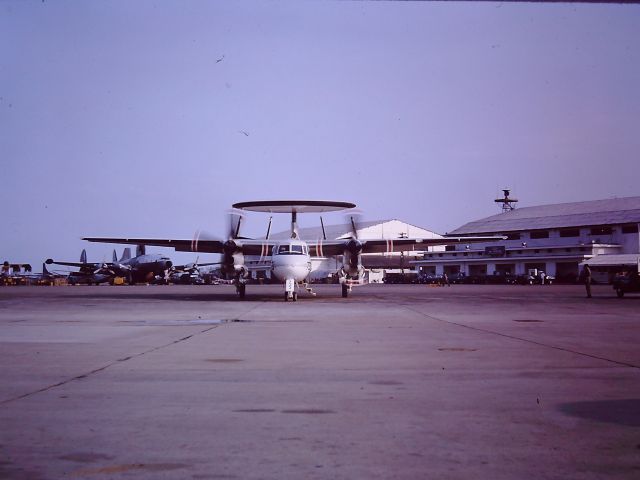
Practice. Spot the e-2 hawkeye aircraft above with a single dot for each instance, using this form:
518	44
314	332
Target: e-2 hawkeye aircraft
291	258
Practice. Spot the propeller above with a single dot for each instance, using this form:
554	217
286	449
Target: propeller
232	258
353	247
234	220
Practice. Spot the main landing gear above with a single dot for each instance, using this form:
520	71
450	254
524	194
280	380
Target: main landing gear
240	289
345	290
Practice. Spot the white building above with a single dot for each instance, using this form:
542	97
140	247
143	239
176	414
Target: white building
554	238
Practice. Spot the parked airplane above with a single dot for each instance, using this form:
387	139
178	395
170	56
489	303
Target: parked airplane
291	259
21	274
188	274
153	267
141	268
89	273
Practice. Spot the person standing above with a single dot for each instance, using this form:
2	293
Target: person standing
586	272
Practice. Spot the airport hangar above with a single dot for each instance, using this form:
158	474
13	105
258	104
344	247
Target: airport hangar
557	239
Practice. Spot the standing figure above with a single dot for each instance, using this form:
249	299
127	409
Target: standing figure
586	272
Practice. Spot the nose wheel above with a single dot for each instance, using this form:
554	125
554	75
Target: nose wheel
290	290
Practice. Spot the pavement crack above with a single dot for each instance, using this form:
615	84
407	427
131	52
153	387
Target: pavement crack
521	339
104	367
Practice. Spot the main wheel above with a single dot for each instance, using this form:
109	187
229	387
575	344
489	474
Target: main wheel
345	290
241	290
295	296
286	296
619	292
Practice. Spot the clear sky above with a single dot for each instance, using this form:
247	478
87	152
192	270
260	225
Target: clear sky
150	118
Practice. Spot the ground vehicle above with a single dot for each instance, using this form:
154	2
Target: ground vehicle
626	282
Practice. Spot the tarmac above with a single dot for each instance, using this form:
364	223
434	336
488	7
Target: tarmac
396	381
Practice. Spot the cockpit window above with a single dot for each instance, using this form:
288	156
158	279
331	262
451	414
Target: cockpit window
290	250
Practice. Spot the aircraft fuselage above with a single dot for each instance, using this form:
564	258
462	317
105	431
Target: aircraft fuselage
290	260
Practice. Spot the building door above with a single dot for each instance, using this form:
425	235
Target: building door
479	269
452	269
504	268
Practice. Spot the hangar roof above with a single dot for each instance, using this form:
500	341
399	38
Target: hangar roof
613	211
332	231
344	230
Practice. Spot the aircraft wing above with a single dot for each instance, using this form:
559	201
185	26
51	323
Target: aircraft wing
191	265
247	246
192	245
418	244
325	248
76	264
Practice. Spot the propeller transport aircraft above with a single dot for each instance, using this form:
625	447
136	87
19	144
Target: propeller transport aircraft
141	268
290	260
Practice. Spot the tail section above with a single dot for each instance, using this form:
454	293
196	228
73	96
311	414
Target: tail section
45	271
83	256
115	256
140	250
126	255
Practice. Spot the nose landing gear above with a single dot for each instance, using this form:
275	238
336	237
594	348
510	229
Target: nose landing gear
290	290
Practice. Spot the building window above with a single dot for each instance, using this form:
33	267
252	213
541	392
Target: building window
569	232
603	230
633	228
512	236
567	250
449	248
539	234
536	251
465	254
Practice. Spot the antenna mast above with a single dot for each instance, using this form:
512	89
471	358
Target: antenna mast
507	202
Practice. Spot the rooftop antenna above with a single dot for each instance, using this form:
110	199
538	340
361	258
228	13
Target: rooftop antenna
507	202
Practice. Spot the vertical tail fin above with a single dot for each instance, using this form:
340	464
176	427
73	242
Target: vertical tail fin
83	256
115	256
126	254
45	271
141	250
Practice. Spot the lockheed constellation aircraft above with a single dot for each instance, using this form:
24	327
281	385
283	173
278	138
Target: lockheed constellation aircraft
290	260
141	268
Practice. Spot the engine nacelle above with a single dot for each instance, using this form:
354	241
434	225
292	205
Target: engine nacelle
352	260
233	261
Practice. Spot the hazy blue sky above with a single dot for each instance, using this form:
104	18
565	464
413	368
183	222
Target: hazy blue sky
150	118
